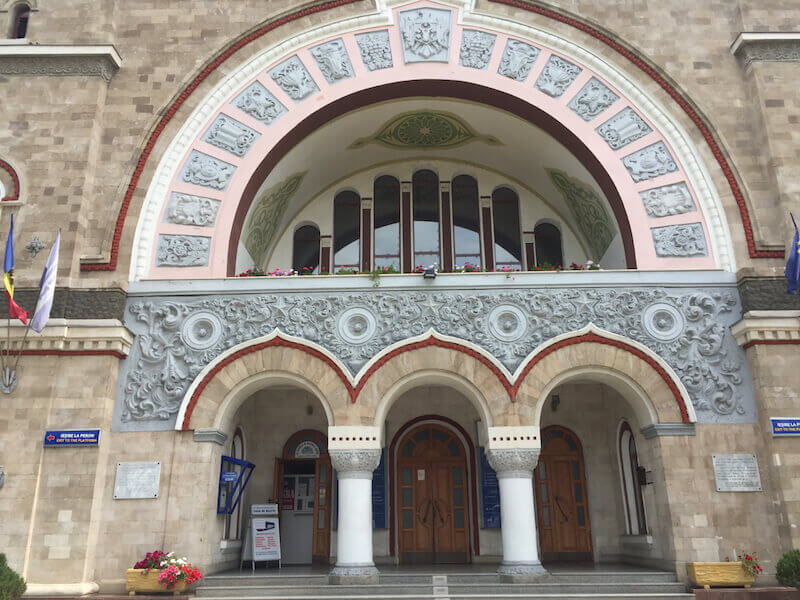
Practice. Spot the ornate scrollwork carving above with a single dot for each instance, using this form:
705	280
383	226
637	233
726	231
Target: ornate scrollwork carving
652	161
333	61
207	171
513	462
593	99
517	61
476	48
185	209
375	50
355	464
557	76
668	200
680	240
182	251
257	102
623	128
426	34
293	78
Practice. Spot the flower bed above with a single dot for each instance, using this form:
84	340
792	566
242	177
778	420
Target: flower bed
161	572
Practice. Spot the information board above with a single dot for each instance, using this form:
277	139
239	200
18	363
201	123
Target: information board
785	426
263	509
266	536
379	495
736	472
490	494
71	438
137	480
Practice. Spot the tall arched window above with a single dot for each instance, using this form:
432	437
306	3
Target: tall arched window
233	521
305	254
386	202
505	218
547	242
425	190
346	230
466	221
19	26
632	490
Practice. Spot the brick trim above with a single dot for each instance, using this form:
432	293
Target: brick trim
14	195
113	353
770	343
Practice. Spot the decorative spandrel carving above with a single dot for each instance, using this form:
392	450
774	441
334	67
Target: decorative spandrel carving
680	240
514	462
293	78
623	128
517	61
333	61
207	171
593	99
476	49
557	76
589	211
689	328
375	50
355	464
668	200
182	251
257	102
649	162
230	135
185	209
781	50
425	33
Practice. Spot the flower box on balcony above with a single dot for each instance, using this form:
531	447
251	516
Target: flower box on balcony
718	574
144	581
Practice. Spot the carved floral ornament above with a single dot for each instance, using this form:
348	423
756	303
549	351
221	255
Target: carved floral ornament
688	329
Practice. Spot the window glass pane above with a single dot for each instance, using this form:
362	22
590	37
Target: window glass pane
408	519
407	495
581	517
571	443
458	518
406	475
454	448
425	190
423	434
505	218
547	242
466	221
556	433
457	475
408	449
543	491
321	518
546	516
306	248
323	473
578	492
458	496
576	470
346	229
386	203
440	435
542	471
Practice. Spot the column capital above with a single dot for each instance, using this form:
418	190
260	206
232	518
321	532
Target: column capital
355	464
516	463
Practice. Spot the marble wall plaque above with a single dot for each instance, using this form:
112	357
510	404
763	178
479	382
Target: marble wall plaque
137	480
736	472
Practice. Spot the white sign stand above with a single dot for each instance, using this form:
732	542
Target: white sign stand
262	540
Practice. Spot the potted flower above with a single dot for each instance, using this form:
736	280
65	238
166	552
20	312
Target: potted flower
159	572
742	572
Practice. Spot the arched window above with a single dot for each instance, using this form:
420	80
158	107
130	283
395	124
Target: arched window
19	26
386	201
234	520
346	230
632	490
425	190
505	218
466	221
547	242
306	249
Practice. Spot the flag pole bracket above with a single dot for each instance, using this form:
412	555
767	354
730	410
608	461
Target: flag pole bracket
9	381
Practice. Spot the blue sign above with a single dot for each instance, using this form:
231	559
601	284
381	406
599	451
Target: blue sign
77	437
785	426
490	494
379	495
228	476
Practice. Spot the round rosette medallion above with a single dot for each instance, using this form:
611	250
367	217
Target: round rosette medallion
507	323
663	321
357	325
201	330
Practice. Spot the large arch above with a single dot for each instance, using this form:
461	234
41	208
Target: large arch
273	140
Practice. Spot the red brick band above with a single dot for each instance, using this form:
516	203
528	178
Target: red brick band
752	343
14	195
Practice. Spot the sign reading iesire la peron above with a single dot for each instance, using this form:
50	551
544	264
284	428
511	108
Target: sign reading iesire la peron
785	426
77	437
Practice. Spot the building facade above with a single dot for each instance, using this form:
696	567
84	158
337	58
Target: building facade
448	377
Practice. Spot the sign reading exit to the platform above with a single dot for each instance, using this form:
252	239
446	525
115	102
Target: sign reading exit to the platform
783	426
82	437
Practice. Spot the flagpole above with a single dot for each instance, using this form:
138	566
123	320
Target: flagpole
27	331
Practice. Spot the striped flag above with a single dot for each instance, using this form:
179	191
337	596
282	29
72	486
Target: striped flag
14	310
47	288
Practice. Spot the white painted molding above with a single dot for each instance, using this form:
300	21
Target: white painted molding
98	50
73	335
355	437
767	326
101	60
512	438
751	37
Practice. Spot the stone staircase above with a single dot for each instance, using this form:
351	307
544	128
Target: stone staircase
571	585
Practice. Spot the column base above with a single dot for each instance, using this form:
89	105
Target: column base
354	575
521	572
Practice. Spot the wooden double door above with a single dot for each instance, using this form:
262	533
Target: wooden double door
561	500
432	485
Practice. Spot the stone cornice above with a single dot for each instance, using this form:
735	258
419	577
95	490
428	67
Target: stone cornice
767	327
60	60
768	46
68	336
667	429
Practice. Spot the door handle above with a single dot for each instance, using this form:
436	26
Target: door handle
561	508
437	511
426	512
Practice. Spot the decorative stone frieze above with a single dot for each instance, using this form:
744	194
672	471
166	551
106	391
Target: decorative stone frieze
768	327
375	50
766	293
518	59
668	200
108	336
293	78
207	171
333	61
425	33
557	76
182	251
652	161
231	135
776	46
185	209
53	60
34	246
593	99
257	102
513	463
623	128
355	464
680	240
476	49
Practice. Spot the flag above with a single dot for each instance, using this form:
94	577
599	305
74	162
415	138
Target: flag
793	264
14	309
47	288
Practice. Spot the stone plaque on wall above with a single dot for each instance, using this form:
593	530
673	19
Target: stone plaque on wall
137	480
736	472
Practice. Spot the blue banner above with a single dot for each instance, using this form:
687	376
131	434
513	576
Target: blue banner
379	495
785	426
77	437
490	494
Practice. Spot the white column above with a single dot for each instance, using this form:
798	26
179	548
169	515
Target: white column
514	467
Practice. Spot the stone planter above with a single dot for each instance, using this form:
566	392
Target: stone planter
727	574
139	581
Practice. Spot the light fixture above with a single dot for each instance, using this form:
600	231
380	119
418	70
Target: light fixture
429	272
554	402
